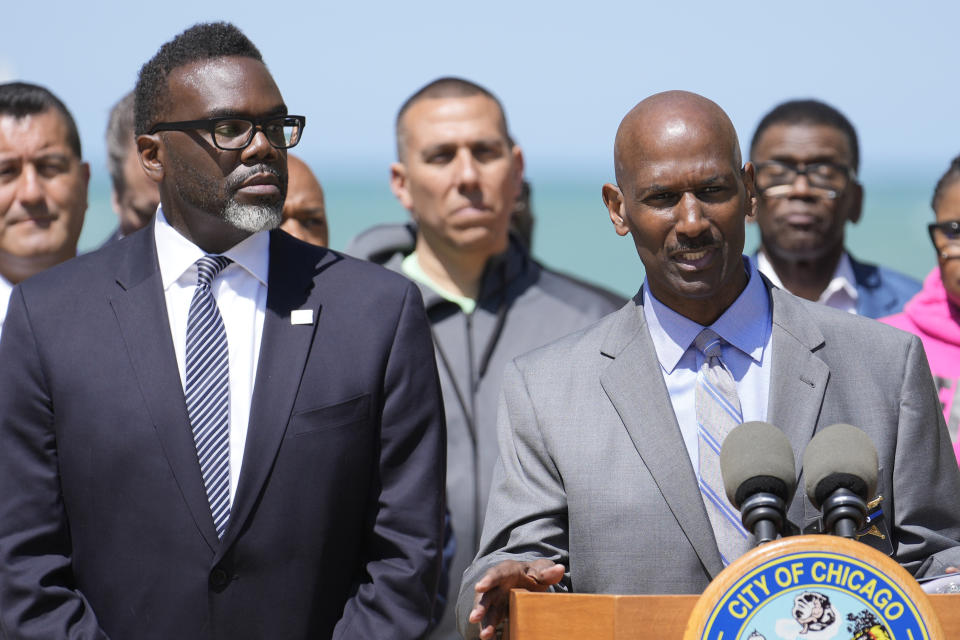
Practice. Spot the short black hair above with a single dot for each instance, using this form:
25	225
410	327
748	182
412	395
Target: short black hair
119	137
810	112
947	179
447	87
22	99
204	41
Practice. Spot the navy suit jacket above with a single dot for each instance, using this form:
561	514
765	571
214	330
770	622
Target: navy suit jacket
105	529
880	291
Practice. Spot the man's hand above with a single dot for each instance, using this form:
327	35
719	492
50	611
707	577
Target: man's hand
493	589
946	583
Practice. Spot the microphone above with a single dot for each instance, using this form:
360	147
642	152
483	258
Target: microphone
840	465
759	477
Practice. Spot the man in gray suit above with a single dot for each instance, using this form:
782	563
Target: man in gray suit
597	488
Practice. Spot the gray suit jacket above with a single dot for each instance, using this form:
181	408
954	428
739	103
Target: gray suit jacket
593	472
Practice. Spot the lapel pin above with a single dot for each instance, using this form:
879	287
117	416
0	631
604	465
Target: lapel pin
301	316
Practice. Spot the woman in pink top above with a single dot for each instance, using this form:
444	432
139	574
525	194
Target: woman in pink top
934	313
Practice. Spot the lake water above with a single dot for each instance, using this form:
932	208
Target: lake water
574	234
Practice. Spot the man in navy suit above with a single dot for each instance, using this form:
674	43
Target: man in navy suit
317	511
807	156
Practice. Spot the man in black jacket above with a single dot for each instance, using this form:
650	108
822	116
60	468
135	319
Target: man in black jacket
459	174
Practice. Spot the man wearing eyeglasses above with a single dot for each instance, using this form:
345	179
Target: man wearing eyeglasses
211	429
806	156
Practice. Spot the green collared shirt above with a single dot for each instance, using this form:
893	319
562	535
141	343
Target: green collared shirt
412	269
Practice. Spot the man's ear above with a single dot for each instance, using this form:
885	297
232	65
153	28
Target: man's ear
613	199
85	173
151	153
856	201
400	186
518	166
85	183
752	196
115	200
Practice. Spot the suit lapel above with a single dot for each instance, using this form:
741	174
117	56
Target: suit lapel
141	312
283	353
635	386
798	379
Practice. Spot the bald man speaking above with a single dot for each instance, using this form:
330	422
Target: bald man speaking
603	482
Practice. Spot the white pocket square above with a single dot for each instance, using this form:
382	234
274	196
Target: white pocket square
301	316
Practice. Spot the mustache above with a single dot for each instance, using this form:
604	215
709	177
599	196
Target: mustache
235	180
693	244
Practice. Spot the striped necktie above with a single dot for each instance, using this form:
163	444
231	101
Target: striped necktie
208	389
718	412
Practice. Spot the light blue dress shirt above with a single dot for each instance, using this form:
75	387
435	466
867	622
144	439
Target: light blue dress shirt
746	326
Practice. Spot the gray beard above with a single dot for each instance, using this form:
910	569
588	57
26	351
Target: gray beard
251	217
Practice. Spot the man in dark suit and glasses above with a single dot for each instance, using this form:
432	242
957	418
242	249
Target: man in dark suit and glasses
210	429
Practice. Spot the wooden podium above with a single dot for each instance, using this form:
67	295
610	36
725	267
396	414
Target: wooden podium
551	616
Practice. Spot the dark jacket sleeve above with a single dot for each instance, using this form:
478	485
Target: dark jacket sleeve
38	597
405	543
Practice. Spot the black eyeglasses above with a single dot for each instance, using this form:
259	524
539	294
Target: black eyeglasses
230	133
945	236
828	179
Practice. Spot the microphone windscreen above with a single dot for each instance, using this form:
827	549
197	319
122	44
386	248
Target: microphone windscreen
755	457
840	456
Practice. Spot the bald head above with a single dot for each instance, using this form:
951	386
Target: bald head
669	122
304	210
446	88
302	175
683	197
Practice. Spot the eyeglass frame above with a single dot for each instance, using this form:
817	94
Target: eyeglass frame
208	125
953	225
849	172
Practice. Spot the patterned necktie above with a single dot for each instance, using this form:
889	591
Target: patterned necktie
718	411
208	389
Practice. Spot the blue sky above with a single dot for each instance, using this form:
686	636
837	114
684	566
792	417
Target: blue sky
566	71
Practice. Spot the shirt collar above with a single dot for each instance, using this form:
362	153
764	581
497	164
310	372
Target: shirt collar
412	269
843	278
176	254
746	324
6	287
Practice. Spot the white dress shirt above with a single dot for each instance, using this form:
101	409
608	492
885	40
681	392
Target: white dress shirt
5	288
746	326
841	293
241	294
